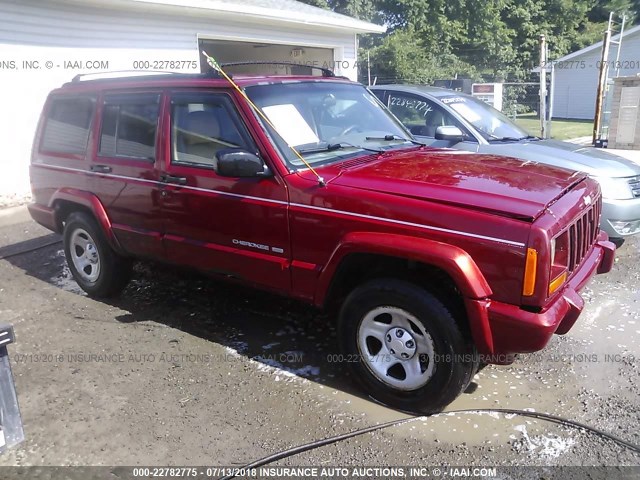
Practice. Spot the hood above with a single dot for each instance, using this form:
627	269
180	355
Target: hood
500	185
594	161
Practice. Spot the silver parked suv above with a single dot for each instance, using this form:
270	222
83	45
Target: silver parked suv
446	118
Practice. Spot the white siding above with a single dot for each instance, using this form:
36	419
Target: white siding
575	88
30	22
55	32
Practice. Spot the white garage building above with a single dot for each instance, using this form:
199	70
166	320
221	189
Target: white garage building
44	43
576	75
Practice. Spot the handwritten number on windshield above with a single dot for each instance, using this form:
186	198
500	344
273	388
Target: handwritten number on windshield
418	105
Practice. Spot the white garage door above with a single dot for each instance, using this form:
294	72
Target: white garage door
301	56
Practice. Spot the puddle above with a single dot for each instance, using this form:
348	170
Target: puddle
546	446
64	279
272	367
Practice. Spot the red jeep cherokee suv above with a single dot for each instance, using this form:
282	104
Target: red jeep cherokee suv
436	259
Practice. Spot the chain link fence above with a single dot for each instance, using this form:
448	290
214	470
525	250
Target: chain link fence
521	100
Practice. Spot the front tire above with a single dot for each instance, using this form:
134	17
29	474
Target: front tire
96	268
404	347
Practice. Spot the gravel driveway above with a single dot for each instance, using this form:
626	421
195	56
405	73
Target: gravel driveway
182	370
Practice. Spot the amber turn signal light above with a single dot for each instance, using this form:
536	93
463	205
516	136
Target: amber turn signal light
557	282
530	270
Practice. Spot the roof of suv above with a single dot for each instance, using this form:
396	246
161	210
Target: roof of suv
188	79
434	91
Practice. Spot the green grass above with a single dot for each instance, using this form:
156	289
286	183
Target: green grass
560	129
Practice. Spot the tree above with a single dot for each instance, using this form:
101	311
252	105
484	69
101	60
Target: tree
490	39
361	9
601	10
402	57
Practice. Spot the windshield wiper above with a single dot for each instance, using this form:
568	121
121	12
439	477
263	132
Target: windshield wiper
390	137
506	139
511	139
329	147
320	147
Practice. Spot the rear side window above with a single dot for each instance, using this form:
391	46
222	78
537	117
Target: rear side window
68	124
129	126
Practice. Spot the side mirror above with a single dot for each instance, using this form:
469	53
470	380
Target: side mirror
450	133
236	162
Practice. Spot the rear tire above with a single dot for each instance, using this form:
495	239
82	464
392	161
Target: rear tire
96	268
404	347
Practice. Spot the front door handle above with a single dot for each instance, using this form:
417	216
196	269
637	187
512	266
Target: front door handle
172	179
101	168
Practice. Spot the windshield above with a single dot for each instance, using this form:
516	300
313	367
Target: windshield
488	121
327	121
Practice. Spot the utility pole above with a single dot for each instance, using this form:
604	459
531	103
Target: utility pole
552	89
602	80
543	86
552	82
368	69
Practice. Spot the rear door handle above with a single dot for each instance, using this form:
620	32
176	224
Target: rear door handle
172	179
101	168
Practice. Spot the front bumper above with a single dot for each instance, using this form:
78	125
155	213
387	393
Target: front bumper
614	211
514	330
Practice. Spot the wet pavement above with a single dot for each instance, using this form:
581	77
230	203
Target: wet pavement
183	370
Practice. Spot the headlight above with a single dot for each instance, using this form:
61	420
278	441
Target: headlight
624	227
559	250
559	253
614	188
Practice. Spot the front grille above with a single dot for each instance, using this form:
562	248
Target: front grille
634	183
583	233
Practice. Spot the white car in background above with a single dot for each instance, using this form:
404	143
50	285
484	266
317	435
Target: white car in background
446	118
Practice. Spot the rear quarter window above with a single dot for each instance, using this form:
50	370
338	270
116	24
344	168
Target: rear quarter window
129	126
67	125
